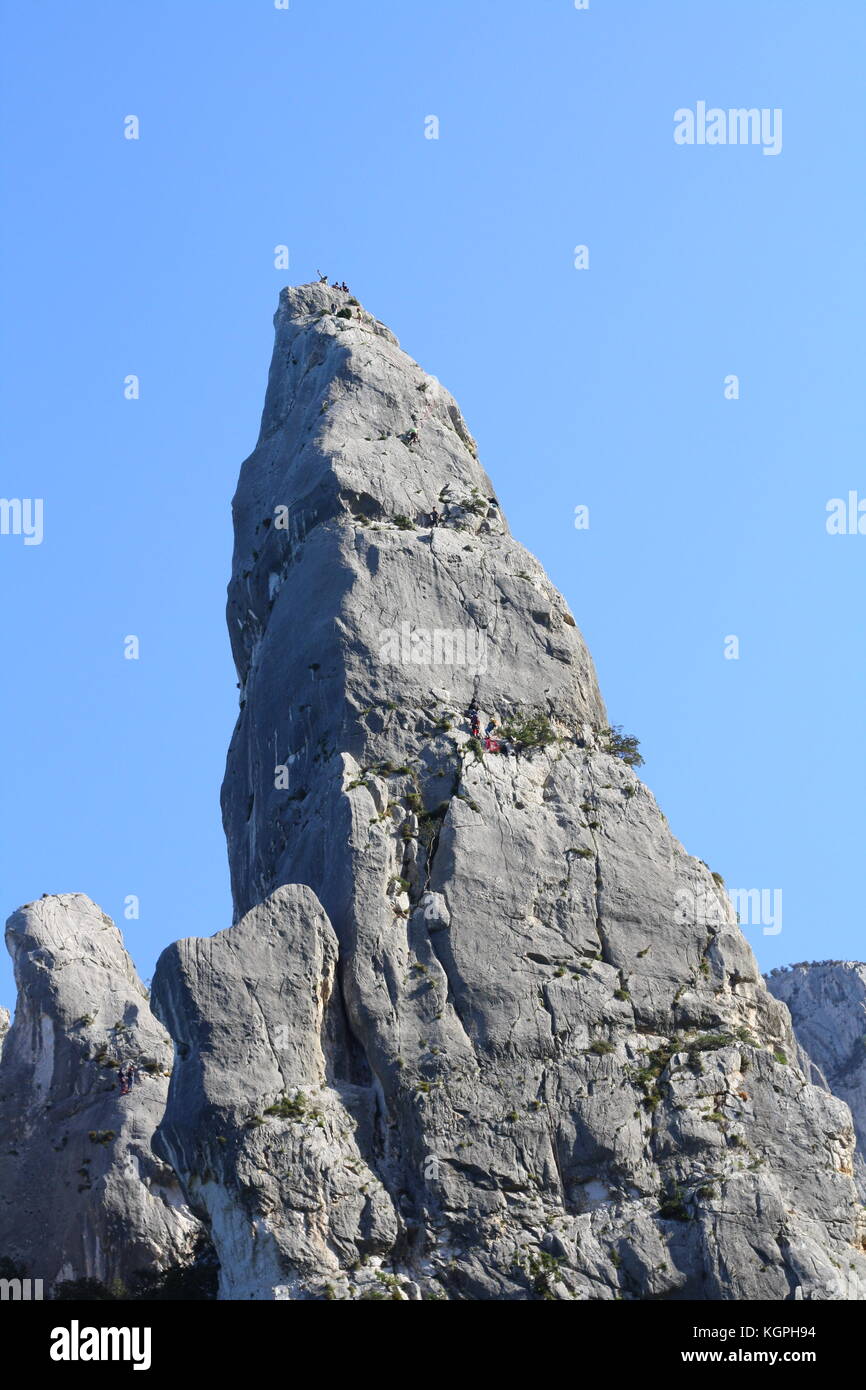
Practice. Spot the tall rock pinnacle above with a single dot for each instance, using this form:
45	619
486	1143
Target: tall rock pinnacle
354	622
483	1028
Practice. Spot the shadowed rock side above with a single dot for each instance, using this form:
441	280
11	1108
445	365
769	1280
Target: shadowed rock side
82	1195
827	1001
520	1019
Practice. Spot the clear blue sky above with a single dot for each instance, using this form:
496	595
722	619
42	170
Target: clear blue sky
604	387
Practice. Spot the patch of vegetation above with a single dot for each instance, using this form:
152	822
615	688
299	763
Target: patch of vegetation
430	823
196	1279
672	1204
624	746
474	503
403	523
86	1291
296	1107
543	1270
102	1136
780	1056
601	1048
391	1283
709	1042
344	313
657	1060
531	729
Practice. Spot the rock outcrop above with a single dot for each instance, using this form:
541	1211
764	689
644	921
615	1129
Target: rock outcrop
518	1020
5	1020
827	1001
82	1195
269	1148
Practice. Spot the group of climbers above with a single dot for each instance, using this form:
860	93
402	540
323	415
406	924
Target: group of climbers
127	1077
491	743
337	285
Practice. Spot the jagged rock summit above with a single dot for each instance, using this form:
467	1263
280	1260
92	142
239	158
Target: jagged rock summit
82	1195
483	1030
827	1000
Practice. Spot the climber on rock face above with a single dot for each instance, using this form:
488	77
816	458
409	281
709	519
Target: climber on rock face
491	744
472	716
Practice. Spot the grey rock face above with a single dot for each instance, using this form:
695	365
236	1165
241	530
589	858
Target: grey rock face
827	1001
525	1023
5	1020
81	1192
267	1140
